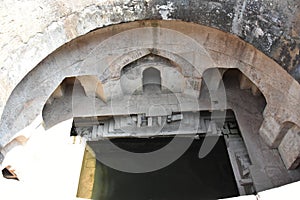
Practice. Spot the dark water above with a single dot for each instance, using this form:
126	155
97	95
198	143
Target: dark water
189	178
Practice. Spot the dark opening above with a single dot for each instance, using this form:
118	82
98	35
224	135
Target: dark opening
8	173
231	80
188	178
151	80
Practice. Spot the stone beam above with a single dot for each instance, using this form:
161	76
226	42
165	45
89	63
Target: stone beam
212	78
289	148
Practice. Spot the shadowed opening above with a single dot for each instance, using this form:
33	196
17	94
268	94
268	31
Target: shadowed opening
151	80
187	178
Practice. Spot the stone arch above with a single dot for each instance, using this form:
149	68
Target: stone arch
222	78
79	19
97	64
177	61
208	48
247	79
131	74
283	129
243	81
213	77
210	83
235	80
65	98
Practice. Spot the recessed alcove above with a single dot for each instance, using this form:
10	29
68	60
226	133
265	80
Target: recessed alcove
151	80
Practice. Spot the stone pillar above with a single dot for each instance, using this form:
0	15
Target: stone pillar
150	123
139	120
213	78
289	148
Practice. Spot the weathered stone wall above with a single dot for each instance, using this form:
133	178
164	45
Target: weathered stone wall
104	52
31	30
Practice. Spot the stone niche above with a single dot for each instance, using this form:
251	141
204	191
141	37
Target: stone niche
152	70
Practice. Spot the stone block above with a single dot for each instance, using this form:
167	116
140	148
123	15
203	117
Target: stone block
270	131
289	148
159	120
